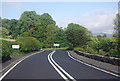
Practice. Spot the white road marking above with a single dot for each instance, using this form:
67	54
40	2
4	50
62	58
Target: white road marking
93	66
62	69
68	75
61	74
10	69
15	61
14	66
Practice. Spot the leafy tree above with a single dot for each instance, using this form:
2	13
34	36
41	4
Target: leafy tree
27	22
46	19
105	44
6	50
94	43
45	30
13	28
50	35
77	34
104	35
4	33
5	23
61	38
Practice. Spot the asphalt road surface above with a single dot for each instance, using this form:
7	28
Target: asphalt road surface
56	65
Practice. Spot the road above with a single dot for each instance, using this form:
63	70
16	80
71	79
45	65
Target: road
56	65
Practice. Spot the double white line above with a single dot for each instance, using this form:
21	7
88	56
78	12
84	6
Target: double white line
59	69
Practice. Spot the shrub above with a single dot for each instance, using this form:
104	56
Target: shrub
90	50
80	49
6	50
70	48
28	44
101	52
114	53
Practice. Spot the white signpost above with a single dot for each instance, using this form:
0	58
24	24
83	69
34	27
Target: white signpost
57	45
15	46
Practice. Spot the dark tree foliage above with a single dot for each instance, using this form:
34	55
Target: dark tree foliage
27	22
28	44
77	34
42	27
6	50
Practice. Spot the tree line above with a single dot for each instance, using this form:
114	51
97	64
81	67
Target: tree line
43	30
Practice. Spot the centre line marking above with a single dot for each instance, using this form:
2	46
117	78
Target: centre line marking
54	64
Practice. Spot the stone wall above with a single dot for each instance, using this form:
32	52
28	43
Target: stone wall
111	60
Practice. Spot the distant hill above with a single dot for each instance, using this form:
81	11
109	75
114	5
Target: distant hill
108	35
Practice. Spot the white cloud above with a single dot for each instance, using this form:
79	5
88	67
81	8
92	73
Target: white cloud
97	21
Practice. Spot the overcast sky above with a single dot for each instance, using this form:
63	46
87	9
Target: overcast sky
96	16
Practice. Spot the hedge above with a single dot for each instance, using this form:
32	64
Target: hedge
6	50
28	44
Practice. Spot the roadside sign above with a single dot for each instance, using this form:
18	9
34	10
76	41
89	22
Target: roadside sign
15	46
57	45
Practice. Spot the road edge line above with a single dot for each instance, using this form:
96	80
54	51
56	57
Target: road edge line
16	62
14	66
92	66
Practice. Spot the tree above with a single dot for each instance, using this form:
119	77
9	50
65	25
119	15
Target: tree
4	33
6	50
13	28
94	43
27	22
76	34
46	19
5	23
61	38
45	30
50	35
104	35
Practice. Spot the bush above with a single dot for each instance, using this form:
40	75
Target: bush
101	52
114	53
70	48
28	44
90	50
6	50
80	49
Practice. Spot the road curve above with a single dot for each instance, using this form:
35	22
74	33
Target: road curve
55	65
79	70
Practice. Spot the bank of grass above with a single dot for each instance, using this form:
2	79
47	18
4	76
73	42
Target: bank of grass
111	53
16	52
65	48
